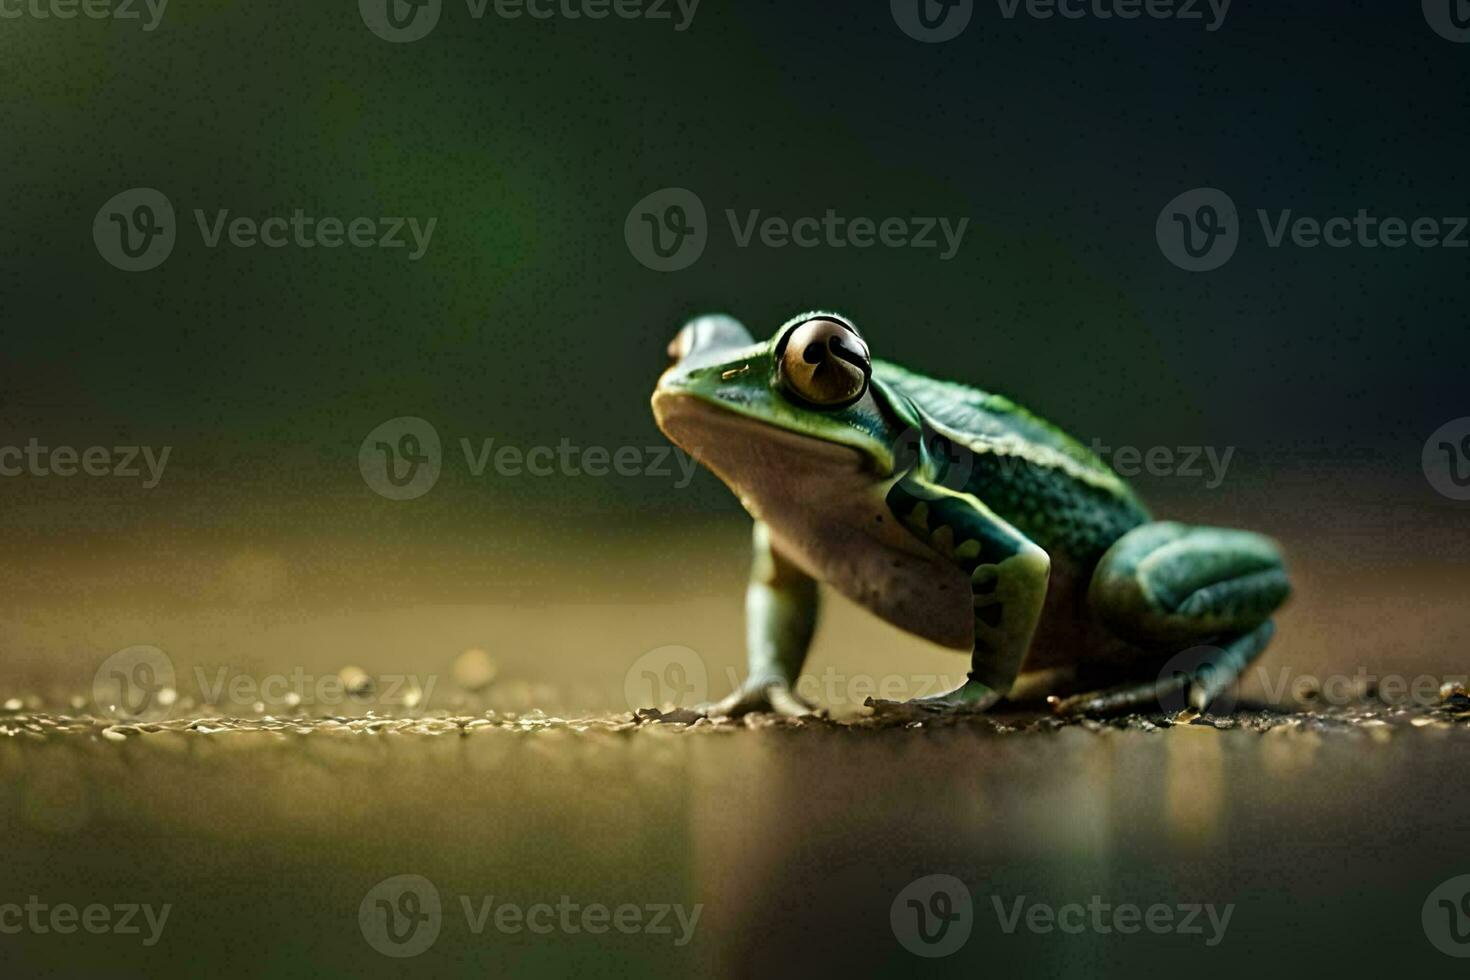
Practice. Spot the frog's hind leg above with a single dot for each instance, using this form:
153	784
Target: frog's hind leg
1169	587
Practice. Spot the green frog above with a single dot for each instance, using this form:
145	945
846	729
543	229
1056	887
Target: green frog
958	516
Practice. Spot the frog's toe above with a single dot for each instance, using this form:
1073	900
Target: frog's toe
972	698
774	699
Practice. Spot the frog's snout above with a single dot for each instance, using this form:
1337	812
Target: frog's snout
703	342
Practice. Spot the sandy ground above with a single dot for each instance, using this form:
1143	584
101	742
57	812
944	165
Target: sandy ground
1323	809
1323	832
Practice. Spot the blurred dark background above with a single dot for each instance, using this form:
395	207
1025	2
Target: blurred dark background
528	319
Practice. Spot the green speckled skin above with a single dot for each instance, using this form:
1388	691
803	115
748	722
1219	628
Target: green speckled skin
1041	480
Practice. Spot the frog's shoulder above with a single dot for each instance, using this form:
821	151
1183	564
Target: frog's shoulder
984	420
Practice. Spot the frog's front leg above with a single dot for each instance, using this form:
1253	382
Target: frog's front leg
1008	580
780	617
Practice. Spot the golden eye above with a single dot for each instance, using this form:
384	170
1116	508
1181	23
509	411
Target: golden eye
825	364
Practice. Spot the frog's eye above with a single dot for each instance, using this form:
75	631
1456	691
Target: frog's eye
824	363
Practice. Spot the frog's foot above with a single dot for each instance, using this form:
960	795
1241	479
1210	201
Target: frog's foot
770	697
971	698
1198	679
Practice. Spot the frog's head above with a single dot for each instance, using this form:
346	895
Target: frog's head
802	400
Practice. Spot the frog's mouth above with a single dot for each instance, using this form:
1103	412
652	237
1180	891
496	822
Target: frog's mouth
757	460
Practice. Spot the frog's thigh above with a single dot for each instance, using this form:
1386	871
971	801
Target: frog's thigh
1164	584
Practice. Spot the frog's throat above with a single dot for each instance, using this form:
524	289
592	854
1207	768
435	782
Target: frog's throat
754	457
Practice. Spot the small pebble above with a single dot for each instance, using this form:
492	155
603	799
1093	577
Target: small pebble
474	670
355	681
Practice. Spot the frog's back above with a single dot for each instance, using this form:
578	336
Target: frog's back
1044	482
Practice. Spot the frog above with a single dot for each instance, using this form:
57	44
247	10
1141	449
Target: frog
959	516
